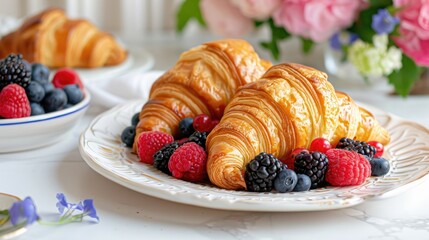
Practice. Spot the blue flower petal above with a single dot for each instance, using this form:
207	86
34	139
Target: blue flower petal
89	209
62	202
23	211
383	22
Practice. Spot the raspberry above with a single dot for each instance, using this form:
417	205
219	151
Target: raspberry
66	76
346	168
188	162
149	143
14	102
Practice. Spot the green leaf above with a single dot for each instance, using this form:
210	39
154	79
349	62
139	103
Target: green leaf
273	48
404	78
307	45
277	33
362	26
257	23
380	3
188	10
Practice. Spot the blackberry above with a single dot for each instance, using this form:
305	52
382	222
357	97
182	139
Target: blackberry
161	158
13	69
357	146
313	165
198	138
261	172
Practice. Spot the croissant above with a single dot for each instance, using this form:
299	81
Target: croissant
287	108
203	80
54	40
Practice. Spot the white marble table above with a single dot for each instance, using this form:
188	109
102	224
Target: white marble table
125	214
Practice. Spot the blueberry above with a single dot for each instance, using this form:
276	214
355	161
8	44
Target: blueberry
186	128
135	119
303	184
39	72
74	94
48	86
36	109
128	135
68	105
379	166
27	65
55	100
35	92
285	181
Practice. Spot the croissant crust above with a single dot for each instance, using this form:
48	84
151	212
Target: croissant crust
291	105
203	81
54	40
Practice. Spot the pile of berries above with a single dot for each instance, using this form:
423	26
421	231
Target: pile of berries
350	163
184	157
26	90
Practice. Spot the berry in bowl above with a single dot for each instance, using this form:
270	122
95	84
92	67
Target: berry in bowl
36	111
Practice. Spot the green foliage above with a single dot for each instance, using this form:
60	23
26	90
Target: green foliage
277	34
403	79
362	26
188	10
307	45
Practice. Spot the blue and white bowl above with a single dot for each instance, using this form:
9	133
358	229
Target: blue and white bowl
21	134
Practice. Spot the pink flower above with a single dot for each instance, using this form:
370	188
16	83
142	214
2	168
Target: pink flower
316	19
414	29
224	18
257	9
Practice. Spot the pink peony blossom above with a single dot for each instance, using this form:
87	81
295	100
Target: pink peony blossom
224	18
414	29
316	19
257	9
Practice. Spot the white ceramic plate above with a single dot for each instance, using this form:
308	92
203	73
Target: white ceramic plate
101	147
6	201
138	59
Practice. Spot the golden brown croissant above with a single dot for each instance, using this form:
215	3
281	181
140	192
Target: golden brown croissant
54	40
203	80
287	108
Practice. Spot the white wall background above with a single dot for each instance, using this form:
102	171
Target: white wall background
130	18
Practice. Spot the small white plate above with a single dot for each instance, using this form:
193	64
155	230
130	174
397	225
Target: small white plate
6	201
101	147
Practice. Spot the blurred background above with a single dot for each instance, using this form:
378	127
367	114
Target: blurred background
132	19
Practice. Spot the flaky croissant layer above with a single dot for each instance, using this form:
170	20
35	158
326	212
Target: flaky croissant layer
51	38
287	108
203	81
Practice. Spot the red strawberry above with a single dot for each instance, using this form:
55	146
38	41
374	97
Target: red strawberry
14	102
66	76
346	168
149	143
189	162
